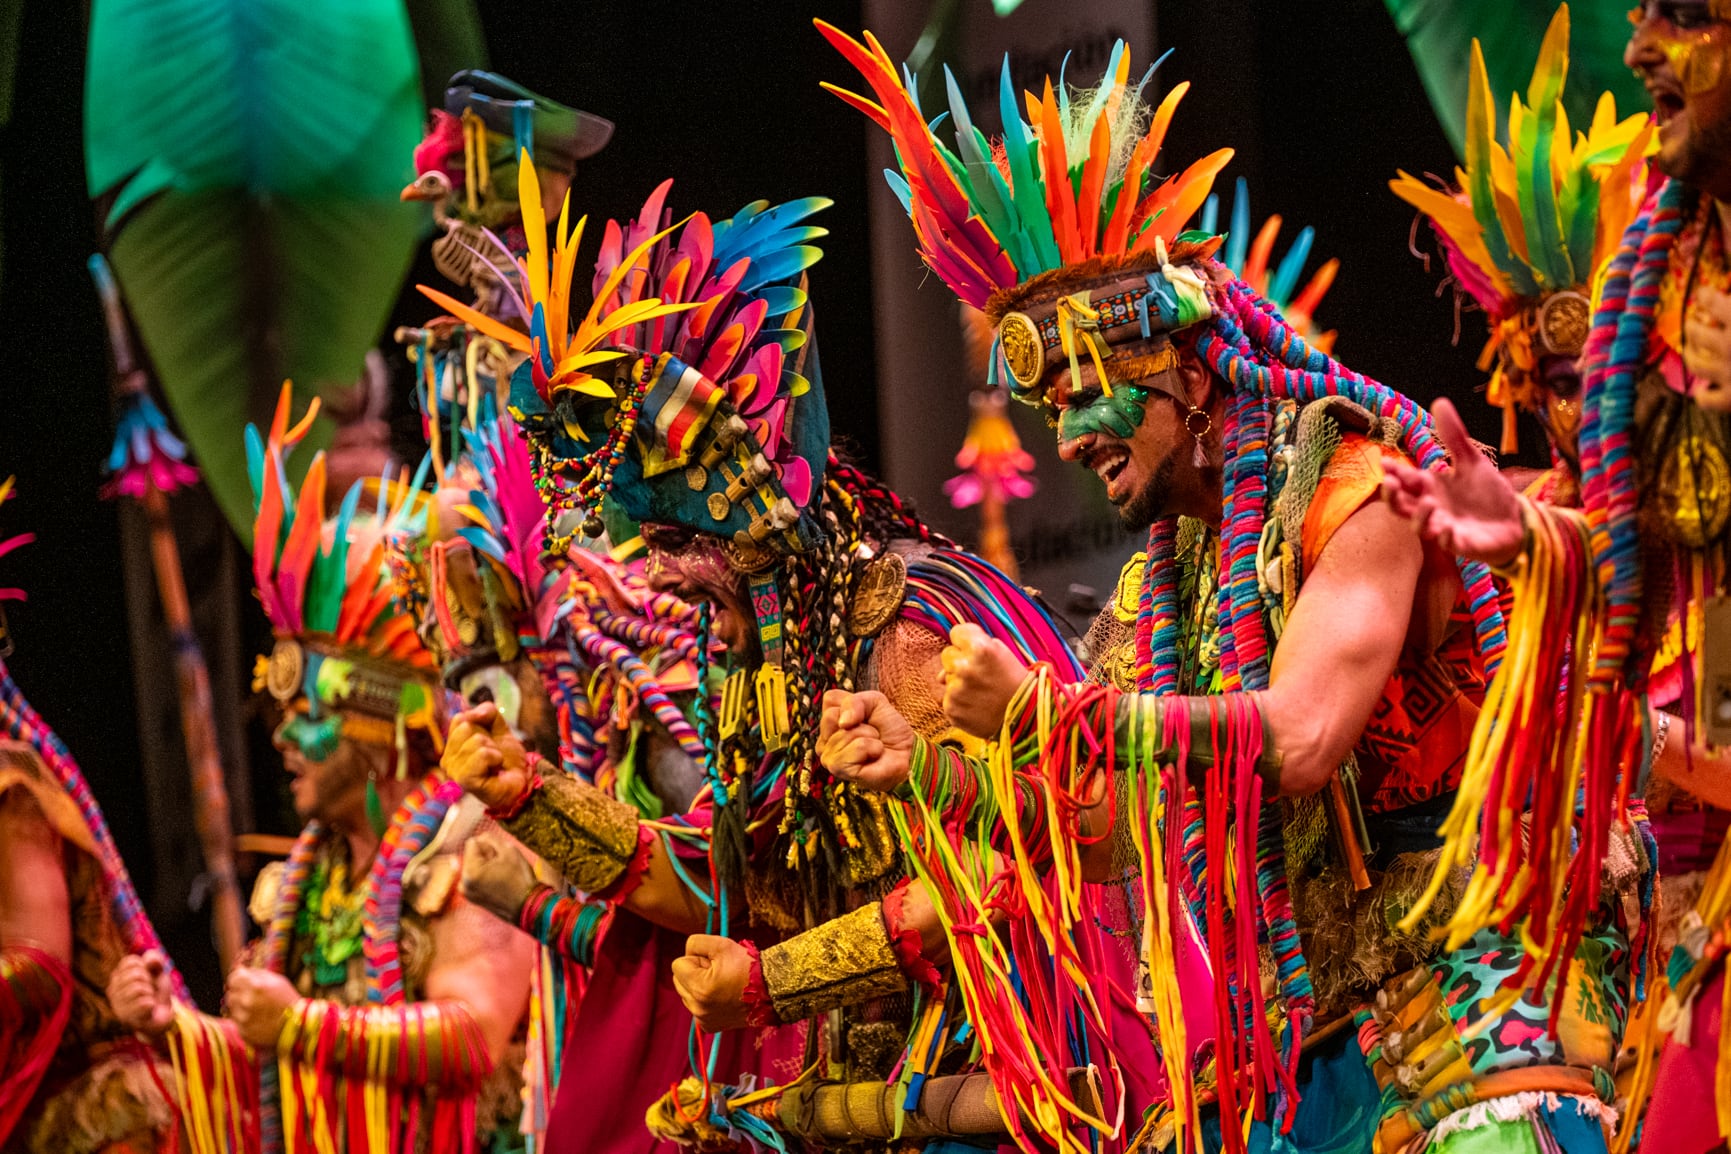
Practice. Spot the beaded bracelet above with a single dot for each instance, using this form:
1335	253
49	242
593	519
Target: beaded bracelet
515	808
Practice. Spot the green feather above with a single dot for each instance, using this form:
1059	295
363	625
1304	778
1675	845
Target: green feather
1546	251
1481	119
1029	189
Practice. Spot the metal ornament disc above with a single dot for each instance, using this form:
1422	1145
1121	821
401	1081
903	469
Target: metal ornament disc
1564	319
879	596
1695	492
1024	351
288	663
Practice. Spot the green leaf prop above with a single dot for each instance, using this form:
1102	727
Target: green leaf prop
253	151
1439	34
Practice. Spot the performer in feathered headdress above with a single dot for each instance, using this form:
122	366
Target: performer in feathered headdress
69	1080
1284	634
594	675
388	1001
689	394
1534	279
1597	591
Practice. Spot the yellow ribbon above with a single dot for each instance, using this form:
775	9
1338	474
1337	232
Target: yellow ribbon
1079	326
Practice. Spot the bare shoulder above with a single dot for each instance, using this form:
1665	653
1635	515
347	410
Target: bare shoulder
1374	544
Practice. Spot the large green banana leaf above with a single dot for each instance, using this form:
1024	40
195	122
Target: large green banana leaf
250	154
1439	33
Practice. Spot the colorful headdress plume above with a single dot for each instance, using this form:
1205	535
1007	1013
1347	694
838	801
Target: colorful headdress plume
718	328
1529	226
326	588
1039	230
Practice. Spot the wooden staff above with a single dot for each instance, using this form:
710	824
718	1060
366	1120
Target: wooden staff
197	722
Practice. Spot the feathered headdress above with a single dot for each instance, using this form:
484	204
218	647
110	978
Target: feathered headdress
326	589
1060	234
1526	228
703	341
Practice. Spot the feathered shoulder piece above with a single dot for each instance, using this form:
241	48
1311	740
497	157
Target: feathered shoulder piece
1072	183
1541	215
326	580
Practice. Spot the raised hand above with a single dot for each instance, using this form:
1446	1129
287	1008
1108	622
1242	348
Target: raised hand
863	739
496	876
256	1001
140	995
981	676
711	980
1471	510
484	757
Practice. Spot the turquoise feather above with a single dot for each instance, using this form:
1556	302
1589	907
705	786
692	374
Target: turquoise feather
1027	188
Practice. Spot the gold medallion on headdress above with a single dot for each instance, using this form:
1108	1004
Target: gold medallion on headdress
1564	319
287	667
1024	351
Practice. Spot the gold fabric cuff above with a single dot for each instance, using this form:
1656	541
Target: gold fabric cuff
840	963
588	836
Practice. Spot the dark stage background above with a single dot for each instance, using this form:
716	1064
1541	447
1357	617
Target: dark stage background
1320	99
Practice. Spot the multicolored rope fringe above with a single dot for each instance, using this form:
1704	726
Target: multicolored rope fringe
1616	351
959	831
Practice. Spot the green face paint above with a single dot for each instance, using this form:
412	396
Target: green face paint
1118	415
317	740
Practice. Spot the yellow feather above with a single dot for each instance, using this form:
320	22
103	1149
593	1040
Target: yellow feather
580	361
1456	219
592	329
564	267
1560	148
505	334
534	226
1508	203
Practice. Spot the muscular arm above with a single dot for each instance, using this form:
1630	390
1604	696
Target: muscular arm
482	964
664	899
1341	643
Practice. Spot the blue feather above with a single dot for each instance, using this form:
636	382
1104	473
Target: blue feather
1291	267
1238	236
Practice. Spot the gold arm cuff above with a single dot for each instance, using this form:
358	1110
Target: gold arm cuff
840	963
587	835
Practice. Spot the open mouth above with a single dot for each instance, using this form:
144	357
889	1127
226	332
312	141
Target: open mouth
1667	101
1108	465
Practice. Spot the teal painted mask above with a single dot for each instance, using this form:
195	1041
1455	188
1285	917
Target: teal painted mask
1118	414
316	739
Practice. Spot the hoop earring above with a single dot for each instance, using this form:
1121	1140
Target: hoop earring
1199	455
